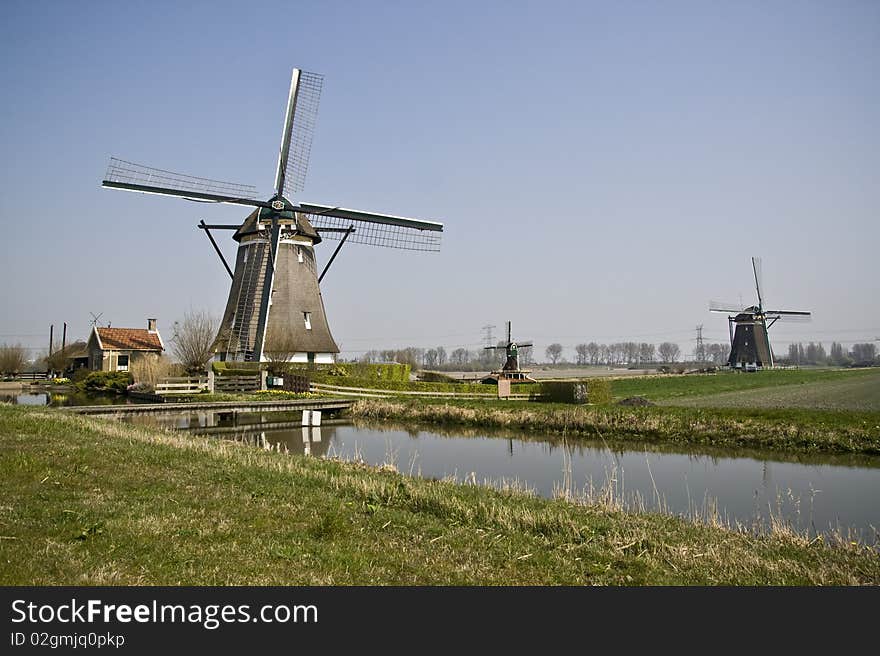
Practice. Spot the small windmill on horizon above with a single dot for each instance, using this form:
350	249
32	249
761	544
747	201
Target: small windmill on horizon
749	340
511	369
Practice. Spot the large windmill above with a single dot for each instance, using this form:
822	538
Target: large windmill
275	310
749	341
511	369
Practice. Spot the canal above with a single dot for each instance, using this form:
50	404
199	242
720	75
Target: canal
753	489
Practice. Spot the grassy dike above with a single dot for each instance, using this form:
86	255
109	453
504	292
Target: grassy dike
792	430
95	502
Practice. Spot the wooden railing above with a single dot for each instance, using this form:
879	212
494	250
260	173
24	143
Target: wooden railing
32	375
181	385
237	383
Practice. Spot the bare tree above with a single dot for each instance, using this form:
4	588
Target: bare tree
193	341
553	352
717	353
863	353
460	356
669	352
280	348
13	358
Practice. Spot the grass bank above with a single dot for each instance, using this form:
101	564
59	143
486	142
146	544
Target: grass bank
95	502
672	387
775	429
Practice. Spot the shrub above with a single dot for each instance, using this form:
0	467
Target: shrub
79	375
102	381
598	391
594	391
376	372
436	377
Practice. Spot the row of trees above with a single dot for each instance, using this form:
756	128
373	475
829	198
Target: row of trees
814	353
14	358
616	354
629	353
592	353
438	358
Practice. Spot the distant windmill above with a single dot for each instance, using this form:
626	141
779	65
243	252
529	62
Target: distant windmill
749	341
275	310
511	368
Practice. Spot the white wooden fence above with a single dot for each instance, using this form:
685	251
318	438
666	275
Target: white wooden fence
181	385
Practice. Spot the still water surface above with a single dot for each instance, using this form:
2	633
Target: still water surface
811	494
59	399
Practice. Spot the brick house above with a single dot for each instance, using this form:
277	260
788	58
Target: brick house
114	349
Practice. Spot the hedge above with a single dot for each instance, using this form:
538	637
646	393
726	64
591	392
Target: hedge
596	391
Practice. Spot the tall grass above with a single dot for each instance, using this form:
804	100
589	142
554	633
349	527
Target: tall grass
96	502
768	430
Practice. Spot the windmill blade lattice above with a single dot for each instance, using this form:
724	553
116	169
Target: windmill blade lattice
128	175
298	131
789	315
719	306
375	229
377	234
759	280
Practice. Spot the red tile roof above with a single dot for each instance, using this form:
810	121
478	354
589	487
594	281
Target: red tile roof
129	339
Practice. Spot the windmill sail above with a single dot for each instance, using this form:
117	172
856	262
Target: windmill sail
728	308
299	128
789	315
759	282
137	177
375	229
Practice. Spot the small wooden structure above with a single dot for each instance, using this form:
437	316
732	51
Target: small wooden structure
114	349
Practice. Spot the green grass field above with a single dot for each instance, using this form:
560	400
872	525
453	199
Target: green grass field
848	389
856	393
97	502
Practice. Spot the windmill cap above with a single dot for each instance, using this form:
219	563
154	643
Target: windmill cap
252	225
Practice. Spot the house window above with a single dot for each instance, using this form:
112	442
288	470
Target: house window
307	317
122	363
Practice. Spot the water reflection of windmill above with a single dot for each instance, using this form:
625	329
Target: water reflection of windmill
511	369
275	310
749	341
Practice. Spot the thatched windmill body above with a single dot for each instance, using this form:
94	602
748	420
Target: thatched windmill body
750	348
275	310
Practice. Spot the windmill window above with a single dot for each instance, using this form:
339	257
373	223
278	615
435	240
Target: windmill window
307	317
299	254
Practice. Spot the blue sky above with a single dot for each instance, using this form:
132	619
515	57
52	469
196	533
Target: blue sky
603	170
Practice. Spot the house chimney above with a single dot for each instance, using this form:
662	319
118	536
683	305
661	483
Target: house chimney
151	325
